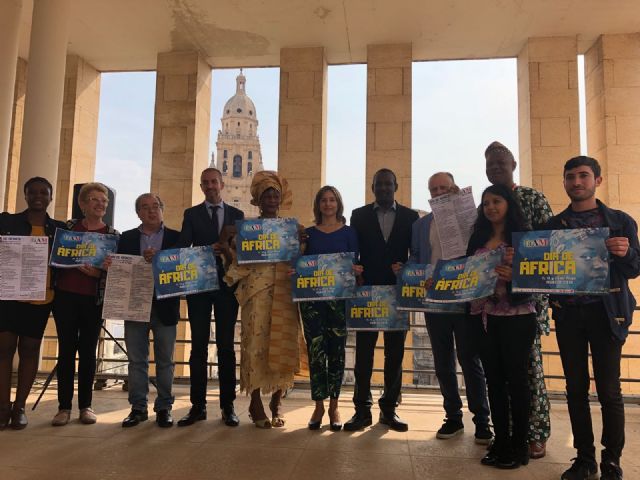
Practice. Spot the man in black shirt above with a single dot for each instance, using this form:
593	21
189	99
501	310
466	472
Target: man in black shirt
596	323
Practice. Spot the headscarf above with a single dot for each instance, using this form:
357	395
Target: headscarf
266	179
497	147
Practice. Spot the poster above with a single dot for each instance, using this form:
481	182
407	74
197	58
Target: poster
129	291
562	262
411	291
23	267
183	271
465	279
454	214
374	308
324	277
267	240
73	249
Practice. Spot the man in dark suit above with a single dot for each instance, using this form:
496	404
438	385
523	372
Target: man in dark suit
384	237
201	226
150	237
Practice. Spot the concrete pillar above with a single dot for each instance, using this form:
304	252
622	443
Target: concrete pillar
612	70
10	11
548	111
302	135
79	131
389	116
45	87
12	190
180	131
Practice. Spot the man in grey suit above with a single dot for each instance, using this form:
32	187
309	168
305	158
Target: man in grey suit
201	226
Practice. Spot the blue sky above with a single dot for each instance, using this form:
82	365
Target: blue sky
459	107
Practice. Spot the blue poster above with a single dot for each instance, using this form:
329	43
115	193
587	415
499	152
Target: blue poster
267	240
412	291
374	308
324	277
563	262
465	279
73	249
183	271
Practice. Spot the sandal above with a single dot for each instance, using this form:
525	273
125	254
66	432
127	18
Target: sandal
260	423
277	420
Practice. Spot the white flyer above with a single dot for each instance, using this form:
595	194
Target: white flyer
23	267
454	214
129	291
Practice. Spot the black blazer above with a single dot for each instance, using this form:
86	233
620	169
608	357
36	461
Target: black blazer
197	230
376	255
168	309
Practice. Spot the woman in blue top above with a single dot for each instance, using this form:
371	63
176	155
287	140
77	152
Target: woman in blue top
325	329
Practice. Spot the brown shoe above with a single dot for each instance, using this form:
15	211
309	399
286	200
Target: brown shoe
61	418
87	416
537	449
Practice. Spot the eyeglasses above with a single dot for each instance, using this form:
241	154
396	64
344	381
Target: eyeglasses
104	201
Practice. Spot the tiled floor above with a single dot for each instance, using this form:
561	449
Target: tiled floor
210	450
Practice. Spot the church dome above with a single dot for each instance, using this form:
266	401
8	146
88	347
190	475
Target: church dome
240	105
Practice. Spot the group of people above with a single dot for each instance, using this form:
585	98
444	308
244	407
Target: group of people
497	339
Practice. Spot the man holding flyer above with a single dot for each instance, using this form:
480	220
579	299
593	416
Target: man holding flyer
595	323
384	237
202	225
150	237
443	327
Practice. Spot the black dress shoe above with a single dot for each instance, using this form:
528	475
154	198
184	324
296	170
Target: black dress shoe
196	414
164	418
393	422
229	416
314	425
18	418
489	459
135	417
359	421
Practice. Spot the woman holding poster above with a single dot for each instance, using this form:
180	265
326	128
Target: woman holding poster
78	313
324	324
22	323
270	324
505	326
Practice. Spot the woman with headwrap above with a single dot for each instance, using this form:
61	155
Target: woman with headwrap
270	323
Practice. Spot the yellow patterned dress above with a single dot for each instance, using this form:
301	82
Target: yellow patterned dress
271	330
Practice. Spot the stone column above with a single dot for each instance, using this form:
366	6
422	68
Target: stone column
9	29
549	127
612	70
15	139
180	131
303	126
79	132
45	87
389	116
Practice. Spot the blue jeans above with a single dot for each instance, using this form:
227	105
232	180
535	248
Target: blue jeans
136	336
443	328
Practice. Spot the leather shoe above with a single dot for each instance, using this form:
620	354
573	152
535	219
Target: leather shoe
164	418
134	418
18	418
393	422
196	413
359	421
537	449
229	416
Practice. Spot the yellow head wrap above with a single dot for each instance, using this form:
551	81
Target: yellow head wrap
266	179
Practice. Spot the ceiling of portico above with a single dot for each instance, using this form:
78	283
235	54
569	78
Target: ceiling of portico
116	35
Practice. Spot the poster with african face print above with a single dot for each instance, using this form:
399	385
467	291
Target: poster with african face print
465	279
324	277
374	308
411	291
184	271
562	262
267	240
